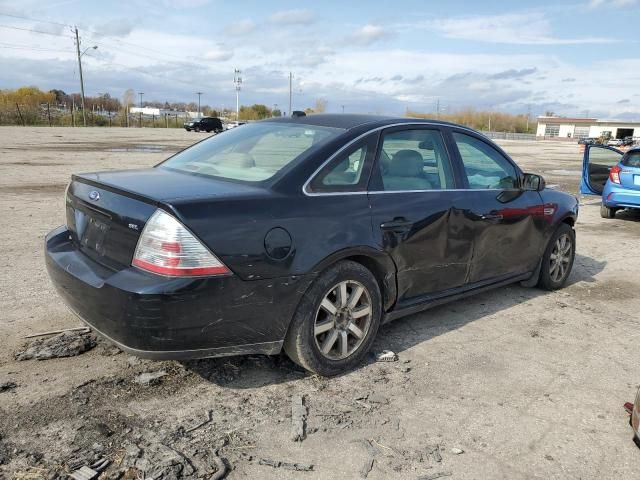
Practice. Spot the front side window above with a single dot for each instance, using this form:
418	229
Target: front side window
414	159
485	167
253	153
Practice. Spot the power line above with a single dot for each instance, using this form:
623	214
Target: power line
34	19
35	48
35	31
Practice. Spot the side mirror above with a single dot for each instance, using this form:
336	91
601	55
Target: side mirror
533	182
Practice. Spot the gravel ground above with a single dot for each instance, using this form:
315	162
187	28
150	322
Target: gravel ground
515	383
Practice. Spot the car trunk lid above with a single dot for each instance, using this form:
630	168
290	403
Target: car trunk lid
107	211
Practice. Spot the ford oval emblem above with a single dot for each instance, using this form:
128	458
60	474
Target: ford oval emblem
93	195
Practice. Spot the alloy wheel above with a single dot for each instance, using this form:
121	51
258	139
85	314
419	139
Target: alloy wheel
343	320
560	258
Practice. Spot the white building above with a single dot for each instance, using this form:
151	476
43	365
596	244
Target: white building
158	112
564	127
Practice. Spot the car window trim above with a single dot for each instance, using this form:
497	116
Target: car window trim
441	127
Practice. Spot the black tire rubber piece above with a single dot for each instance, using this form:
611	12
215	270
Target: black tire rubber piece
300	342
545	281
607	212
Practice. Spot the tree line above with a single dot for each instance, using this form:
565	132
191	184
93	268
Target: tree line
483	120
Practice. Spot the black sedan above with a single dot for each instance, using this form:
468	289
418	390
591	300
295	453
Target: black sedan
305	234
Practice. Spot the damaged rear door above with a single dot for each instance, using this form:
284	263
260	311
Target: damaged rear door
508	222
412	194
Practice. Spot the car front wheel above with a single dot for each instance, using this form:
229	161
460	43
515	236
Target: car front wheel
607	212
336	321
558	258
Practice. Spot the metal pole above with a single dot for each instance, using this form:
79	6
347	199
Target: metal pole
199	93
49	113
237	79
84	115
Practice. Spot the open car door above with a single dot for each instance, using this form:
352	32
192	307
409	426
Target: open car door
596	164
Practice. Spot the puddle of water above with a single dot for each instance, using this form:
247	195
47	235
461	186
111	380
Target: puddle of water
565	173
140	149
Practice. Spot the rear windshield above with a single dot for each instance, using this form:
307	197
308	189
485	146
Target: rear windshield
631	159
253	152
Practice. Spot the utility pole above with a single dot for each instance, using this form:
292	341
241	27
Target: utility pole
140	113
198	93
84	115
528	115
290	91
237	80
438	107
342	108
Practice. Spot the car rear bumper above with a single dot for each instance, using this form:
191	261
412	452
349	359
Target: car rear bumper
614	196
173	318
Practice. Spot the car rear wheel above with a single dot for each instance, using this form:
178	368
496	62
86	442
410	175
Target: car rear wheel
558	258
607	212
336	321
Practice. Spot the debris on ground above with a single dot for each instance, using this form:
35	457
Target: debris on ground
298	467
221	467
367	467
434	476
298	418
56	332
457	451
89	473
150	378
6	386
66	344
202	424
386	356
628	406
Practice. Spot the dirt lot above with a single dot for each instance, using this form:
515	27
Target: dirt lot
529	384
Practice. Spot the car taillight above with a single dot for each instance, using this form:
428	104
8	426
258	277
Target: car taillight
166	247
614	174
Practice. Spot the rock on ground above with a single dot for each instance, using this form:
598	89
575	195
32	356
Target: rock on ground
66	344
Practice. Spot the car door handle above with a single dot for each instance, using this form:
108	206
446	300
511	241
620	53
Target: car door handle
397	225
491	216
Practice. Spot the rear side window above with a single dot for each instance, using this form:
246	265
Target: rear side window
485	167
632	159
348	172
414	159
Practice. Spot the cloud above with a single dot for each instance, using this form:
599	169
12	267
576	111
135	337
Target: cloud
293	17
369	34
396	78
186	3
569	79
117	27
512	28
219	53
513	73
242	27
624	100
612	3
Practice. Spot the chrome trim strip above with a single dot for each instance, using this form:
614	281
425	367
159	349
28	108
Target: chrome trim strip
360	137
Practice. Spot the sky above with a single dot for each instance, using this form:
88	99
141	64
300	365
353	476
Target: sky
577	58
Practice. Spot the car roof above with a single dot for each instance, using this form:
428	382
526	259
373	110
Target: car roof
348	121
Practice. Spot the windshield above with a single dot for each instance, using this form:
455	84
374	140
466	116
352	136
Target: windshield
253	153
632	159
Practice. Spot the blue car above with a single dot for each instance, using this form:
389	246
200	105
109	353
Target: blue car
612	174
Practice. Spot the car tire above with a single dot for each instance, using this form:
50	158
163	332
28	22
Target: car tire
607	212
208	131
332	343
558	258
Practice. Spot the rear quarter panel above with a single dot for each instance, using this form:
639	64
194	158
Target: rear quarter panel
235	230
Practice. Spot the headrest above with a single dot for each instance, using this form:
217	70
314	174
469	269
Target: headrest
236	159
406	163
